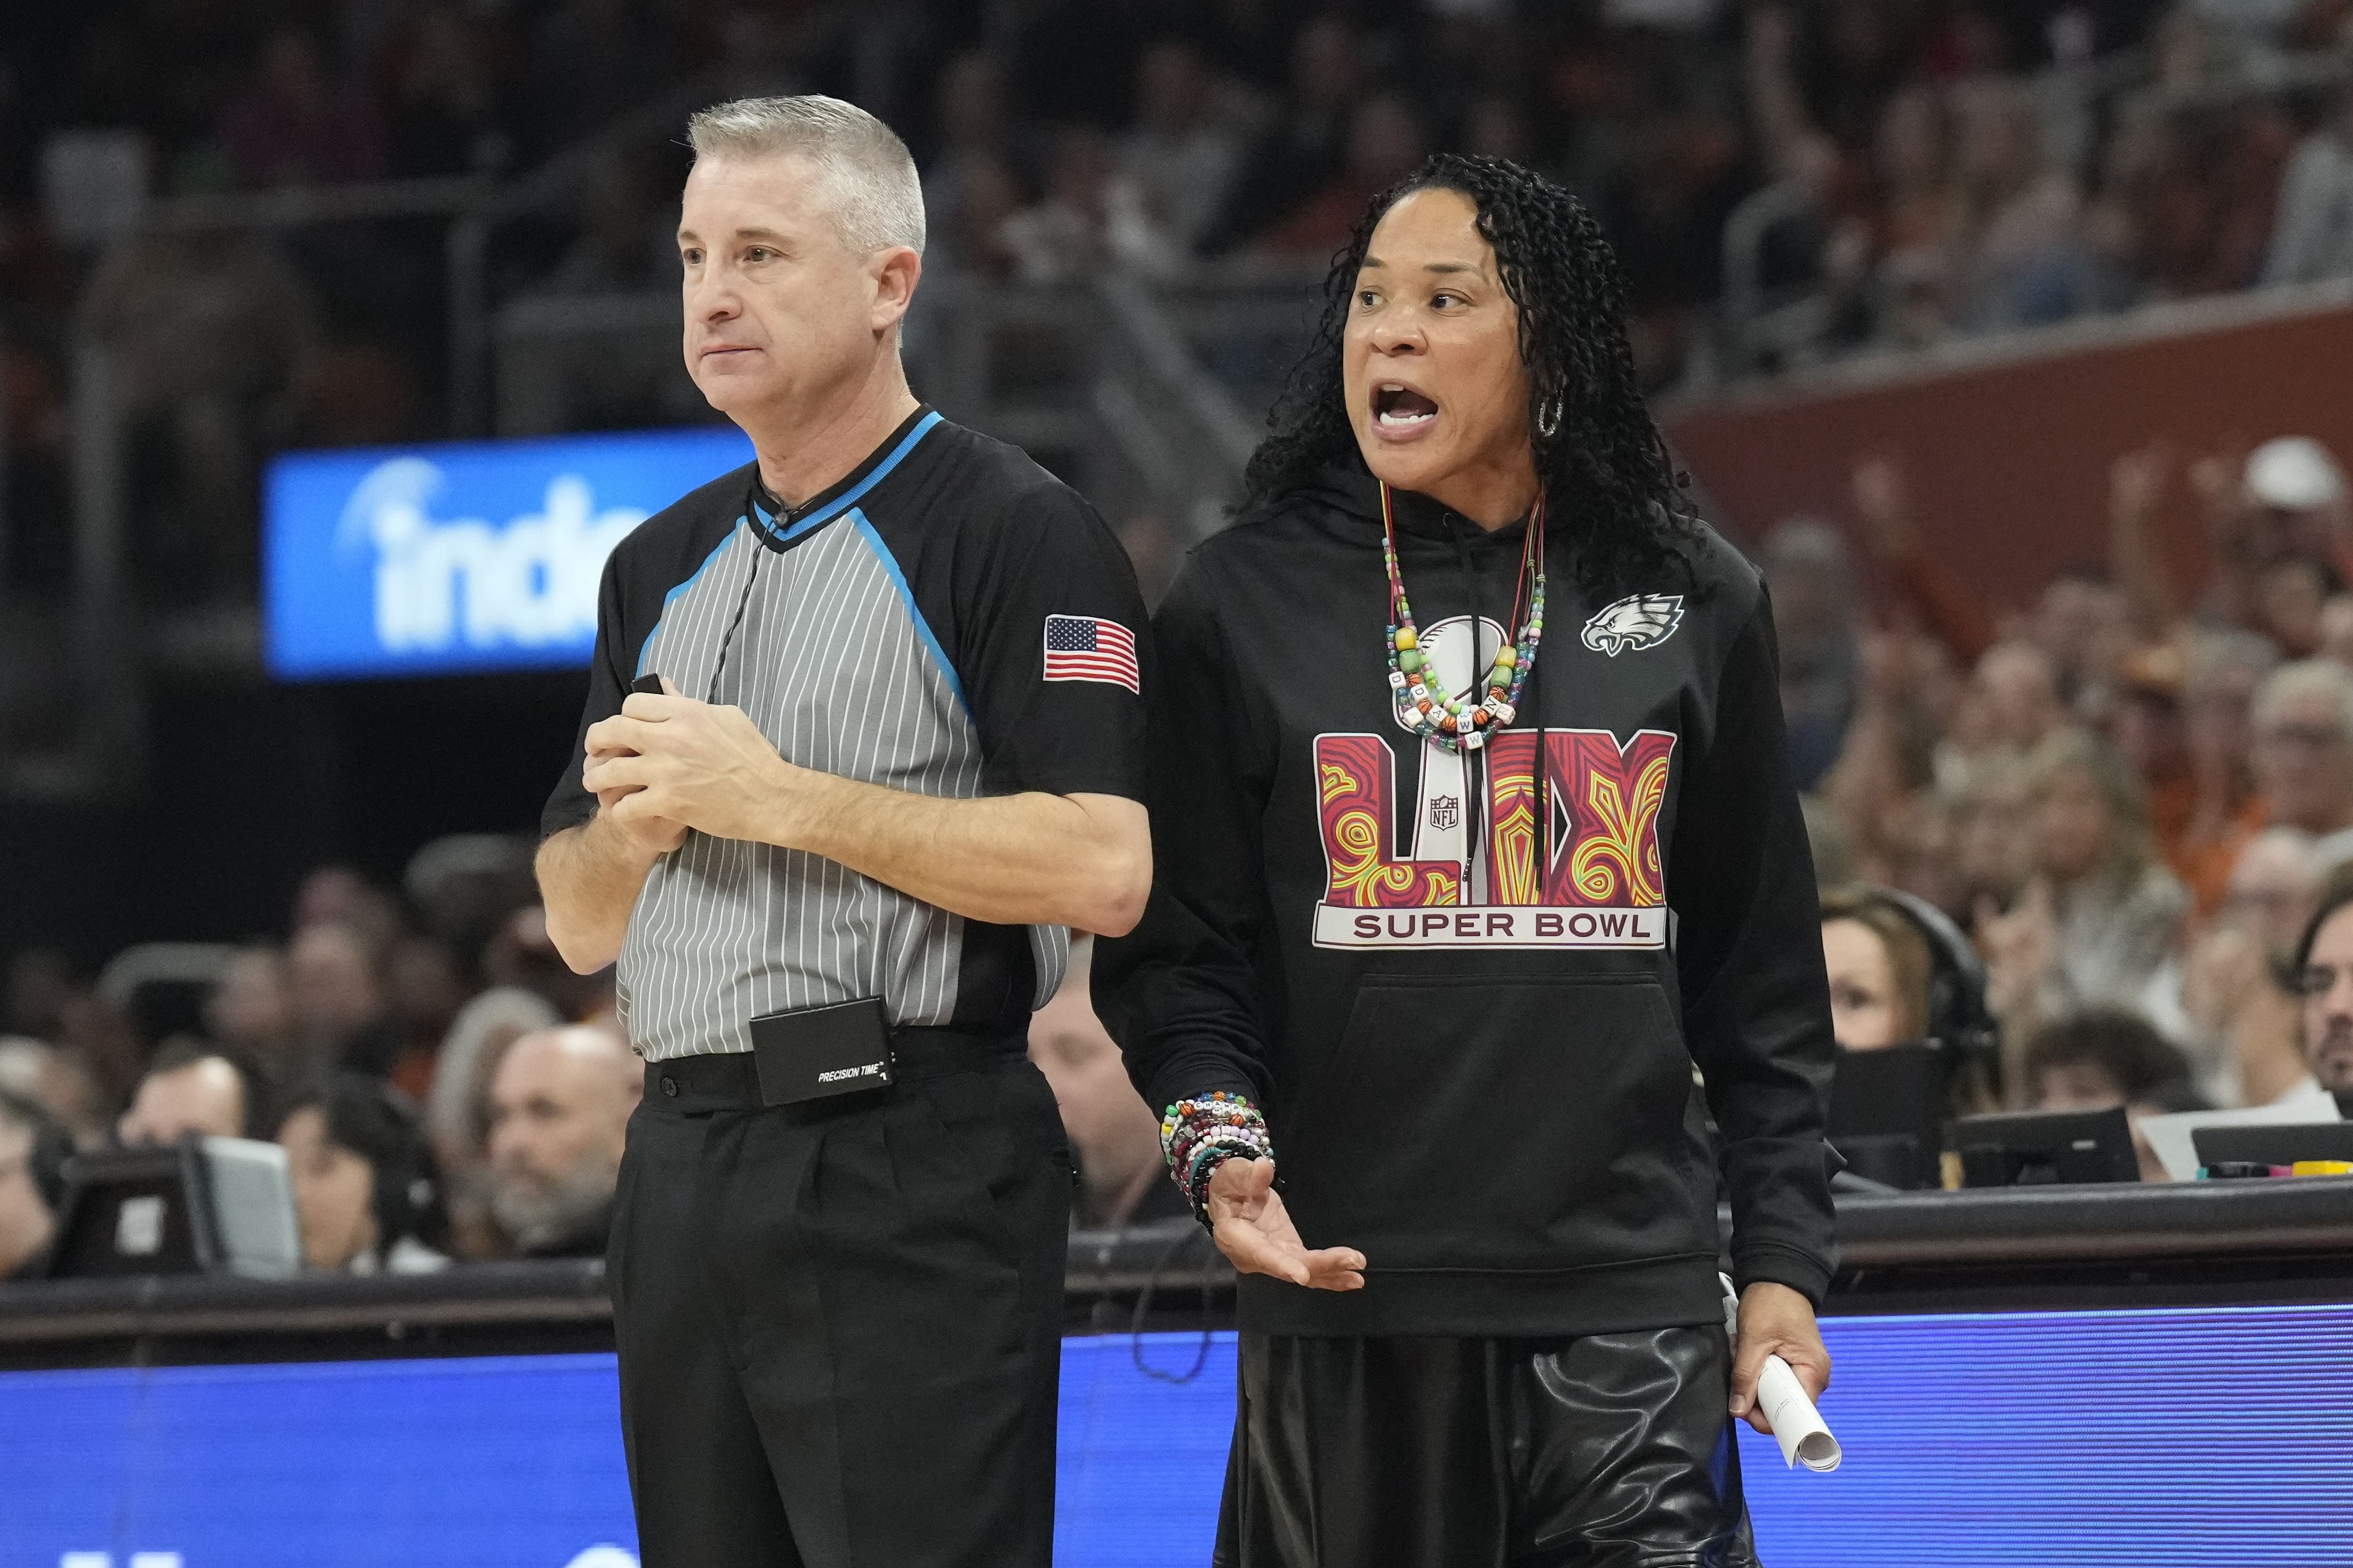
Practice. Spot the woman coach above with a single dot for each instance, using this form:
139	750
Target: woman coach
1473	836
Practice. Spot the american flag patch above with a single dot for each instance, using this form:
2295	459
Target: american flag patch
1083	647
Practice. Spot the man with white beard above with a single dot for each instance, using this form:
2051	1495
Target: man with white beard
560	1104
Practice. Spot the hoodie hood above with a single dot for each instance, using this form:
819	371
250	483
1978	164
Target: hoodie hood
1349	498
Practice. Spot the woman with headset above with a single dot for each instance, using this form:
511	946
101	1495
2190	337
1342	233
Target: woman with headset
367	1191
33	1150
1901	974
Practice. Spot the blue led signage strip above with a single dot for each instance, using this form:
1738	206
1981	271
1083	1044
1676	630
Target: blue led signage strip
2174	1439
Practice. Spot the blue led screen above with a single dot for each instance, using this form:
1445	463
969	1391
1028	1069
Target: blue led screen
2172	1438
460	557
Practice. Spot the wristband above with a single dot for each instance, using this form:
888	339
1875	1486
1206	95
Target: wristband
1201	1132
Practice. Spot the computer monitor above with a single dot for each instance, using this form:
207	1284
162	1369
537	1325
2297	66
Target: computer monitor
203	1205
2042	1148
1887	1112
2275	1143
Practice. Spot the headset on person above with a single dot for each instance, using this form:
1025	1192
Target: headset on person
1889	1107
1960	1019
52	1146
377	1123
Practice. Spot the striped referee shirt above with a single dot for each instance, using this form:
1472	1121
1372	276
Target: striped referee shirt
949	620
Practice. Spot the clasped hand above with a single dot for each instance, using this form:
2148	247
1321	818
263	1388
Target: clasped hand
666	763
1255	1232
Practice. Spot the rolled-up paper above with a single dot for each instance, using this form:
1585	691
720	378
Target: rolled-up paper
1797	1424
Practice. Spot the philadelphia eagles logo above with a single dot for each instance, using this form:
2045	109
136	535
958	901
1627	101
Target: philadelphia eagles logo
1636	622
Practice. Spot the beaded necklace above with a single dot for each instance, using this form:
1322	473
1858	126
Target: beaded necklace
1456	725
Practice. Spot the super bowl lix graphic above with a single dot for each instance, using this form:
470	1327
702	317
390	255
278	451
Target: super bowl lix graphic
1599	884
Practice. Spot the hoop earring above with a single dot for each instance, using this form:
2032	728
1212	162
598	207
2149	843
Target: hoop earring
1548	414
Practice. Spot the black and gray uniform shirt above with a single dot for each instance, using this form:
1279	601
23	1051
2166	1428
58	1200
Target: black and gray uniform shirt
950	619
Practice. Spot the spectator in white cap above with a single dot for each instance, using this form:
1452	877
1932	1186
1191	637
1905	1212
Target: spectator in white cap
2298	487
2295	473
2283	535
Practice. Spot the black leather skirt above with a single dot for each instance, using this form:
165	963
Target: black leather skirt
1609	1451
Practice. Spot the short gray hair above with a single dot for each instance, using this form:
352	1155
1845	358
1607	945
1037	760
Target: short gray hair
2323	678
877	200
2216	652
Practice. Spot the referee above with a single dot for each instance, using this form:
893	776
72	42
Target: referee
895	755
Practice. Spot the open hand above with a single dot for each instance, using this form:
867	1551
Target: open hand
2225	971
2218	480
2215	476
1776	1320
2019	947
2136	483
1882	503
1255	1232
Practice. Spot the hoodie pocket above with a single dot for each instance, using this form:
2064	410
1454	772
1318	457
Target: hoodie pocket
1498	1124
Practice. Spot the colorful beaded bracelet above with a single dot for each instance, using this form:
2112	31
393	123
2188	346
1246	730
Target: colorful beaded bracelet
1200	1133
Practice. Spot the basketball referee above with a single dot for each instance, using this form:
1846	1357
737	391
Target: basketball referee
895	755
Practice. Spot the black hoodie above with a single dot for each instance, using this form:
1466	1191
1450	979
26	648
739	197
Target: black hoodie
1491	1097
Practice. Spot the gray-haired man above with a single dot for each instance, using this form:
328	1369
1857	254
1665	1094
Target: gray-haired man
897	757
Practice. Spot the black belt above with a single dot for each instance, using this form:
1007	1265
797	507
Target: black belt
727	1080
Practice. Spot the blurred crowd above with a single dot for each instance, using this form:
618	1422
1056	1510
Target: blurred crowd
1787	180
1914	196
446	1090
2133	802
2119	818
2129	799
443	1086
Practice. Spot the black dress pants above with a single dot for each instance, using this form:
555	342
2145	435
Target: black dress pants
1608	1451
839	1321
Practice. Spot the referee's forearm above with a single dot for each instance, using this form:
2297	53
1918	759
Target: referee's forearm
1082	861
589	879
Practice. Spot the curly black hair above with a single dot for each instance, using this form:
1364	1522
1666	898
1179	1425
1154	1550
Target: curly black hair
1605	474
377	1121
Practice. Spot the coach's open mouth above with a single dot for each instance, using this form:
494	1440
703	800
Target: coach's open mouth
1398	407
